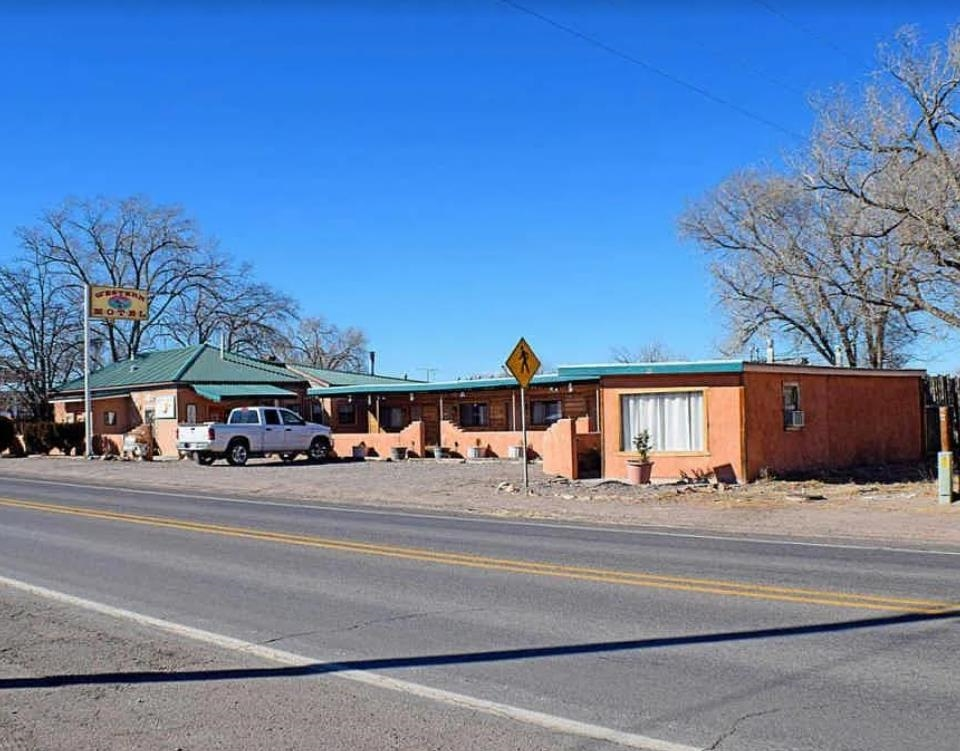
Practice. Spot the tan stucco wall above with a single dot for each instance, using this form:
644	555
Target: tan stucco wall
723	444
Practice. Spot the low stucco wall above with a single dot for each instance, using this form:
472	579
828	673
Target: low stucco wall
496	443
379	444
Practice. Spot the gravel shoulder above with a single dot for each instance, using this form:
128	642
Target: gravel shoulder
891	512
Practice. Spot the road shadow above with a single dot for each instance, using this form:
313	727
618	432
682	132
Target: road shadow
466	658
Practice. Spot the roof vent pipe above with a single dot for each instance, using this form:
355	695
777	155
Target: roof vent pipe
770	354
222	345
838	356
373	361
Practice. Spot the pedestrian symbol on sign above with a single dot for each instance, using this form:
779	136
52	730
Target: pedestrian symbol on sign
523	363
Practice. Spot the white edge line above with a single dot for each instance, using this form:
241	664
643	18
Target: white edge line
386	511
548	722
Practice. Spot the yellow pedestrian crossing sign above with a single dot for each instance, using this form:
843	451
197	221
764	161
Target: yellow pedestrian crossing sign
523	363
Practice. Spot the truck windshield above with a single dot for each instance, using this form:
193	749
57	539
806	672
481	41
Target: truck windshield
244	417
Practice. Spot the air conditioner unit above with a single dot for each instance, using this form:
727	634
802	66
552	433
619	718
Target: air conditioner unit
795	418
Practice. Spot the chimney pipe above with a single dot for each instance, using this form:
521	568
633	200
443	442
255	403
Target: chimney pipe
373	361
770	354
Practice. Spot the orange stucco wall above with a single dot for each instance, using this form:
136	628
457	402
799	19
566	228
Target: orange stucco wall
723	444
851	419
131	412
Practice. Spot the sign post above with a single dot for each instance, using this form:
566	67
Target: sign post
87	416
523	364
106	304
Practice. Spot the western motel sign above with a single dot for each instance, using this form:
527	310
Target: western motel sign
118	303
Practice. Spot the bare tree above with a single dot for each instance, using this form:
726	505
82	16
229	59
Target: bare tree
129	243
654	351
252	317
196	292
40	333
788	264
896	152
323	345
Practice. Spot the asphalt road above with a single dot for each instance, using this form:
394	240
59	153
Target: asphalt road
656	638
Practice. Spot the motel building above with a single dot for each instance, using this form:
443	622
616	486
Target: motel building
734	419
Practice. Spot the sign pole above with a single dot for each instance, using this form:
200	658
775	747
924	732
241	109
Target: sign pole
87	410
523	364
523	428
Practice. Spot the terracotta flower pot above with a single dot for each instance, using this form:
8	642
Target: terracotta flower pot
638	473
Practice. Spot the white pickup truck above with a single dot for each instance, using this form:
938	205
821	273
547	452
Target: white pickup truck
255	431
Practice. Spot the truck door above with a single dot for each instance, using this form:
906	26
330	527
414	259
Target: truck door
272	432
296	435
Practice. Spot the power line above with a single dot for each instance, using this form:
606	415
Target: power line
820	38
599	44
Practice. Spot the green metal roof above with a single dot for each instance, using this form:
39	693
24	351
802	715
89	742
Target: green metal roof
652	368
473	384
199	363
218	391
343	378
564	374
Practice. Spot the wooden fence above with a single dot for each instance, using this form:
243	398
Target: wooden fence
941	391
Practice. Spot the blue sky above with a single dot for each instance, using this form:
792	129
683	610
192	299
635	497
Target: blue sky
448	176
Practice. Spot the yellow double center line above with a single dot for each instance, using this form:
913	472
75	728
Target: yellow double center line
606	576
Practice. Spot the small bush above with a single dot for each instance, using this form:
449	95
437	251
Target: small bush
39	437
69	437
8	434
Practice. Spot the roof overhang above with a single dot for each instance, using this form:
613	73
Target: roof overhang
217	392
93	397
449	387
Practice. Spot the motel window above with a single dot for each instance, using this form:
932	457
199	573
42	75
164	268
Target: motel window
392	417
793	417
474	415
110	418
545	413
674	419
346	413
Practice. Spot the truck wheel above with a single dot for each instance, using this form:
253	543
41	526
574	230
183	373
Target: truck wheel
204	460
237	454
319	449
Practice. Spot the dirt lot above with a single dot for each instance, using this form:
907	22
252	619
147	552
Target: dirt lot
892	509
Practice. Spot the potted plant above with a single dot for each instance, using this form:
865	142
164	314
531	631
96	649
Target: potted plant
638	470
476	452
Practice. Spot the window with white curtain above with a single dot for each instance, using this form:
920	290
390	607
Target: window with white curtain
674	418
